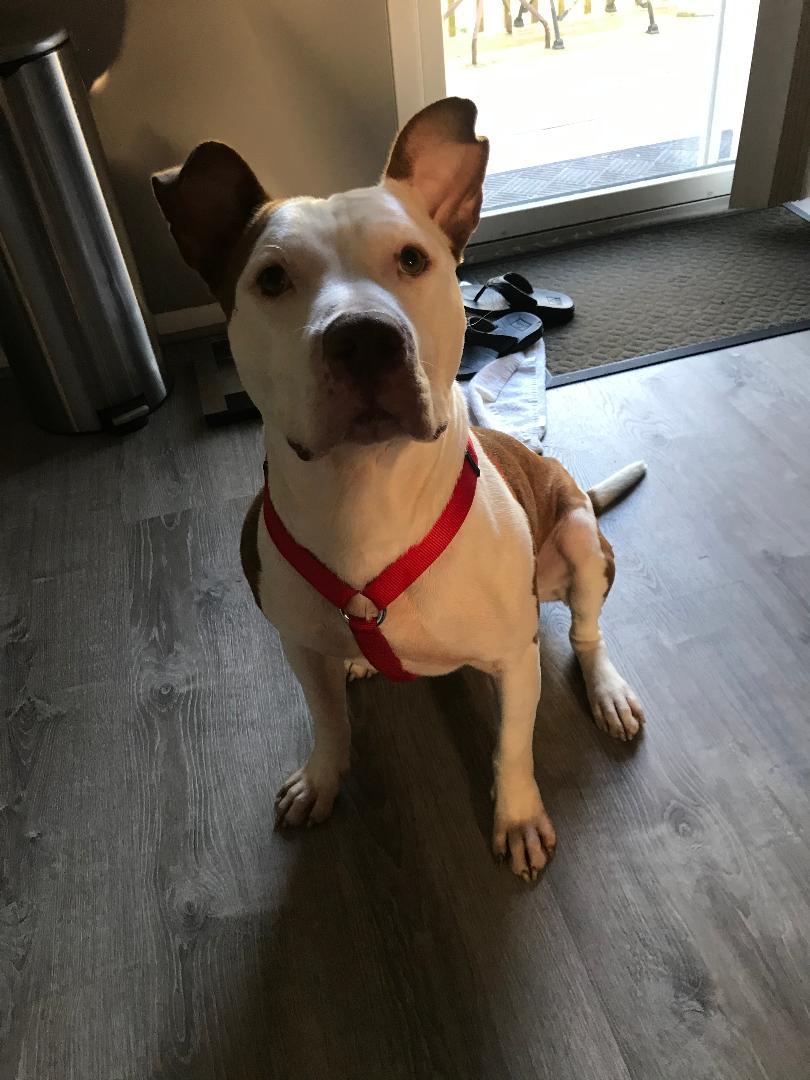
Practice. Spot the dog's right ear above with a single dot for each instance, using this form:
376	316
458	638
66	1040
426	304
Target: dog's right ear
208	204
439	155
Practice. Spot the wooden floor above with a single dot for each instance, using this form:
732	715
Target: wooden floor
152	924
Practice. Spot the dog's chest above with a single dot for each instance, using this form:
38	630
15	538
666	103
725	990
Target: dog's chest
473	605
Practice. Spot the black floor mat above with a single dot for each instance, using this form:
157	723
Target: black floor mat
672	290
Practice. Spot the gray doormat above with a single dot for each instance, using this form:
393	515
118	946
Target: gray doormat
674	290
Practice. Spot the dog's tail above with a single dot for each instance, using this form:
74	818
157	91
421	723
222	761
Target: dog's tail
611	490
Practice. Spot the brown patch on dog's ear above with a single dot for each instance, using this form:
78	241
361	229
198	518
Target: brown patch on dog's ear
208	204
440	156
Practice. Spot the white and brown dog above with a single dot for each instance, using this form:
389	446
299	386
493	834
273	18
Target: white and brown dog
347	327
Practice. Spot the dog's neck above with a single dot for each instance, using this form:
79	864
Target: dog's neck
359	508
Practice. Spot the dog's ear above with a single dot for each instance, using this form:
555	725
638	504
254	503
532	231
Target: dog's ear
441	157
208	204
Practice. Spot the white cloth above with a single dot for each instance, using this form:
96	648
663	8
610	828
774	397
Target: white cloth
509	394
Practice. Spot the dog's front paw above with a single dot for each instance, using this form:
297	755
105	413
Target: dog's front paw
307	797
615	707
358	669
522	832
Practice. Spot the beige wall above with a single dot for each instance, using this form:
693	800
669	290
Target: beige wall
304	91
773	159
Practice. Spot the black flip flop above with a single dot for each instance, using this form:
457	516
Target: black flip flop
514	292
473	359
487	339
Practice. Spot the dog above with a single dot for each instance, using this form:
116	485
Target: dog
347	327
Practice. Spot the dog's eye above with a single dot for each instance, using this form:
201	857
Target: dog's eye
412	261
273	280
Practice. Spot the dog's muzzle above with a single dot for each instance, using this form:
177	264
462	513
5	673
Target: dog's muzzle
372	387
364	348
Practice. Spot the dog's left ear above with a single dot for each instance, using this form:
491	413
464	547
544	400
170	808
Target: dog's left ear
440	156
208	204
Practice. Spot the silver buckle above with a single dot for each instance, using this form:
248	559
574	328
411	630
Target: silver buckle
379	618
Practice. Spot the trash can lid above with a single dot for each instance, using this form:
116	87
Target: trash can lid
14	54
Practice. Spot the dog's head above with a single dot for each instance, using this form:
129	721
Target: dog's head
345	317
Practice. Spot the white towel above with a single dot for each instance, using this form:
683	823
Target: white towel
509	394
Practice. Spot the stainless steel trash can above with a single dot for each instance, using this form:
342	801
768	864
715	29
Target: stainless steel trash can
73	323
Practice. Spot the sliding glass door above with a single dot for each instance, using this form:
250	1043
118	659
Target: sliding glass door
593	109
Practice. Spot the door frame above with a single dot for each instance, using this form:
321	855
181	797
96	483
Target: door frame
417	55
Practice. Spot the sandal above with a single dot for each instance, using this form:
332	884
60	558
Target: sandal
513	292
487	339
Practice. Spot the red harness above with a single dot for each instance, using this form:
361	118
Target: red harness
392	582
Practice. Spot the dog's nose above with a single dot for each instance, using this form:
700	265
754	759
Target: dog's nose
363	346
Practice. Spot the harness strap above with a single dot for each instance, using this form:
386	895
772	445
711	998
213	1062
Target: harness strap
392	581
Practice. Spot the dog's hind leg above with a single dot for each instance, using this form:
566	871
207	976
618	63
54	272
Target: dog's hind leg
307	796
590	561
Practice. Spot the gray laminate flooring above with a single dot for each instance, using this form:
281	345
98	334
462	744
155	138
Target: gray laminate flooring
152	924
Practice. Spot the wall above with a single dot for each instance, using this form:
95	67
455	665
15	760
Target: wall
773	159
304	91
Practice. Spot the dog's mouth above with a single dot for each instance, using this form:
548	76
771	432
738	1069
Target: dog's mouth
370	425
373	424
395	406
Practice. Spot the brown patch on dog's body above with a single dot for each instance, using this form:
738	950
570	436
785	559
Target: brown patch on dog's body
610	563
249	548
547	494
540	484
